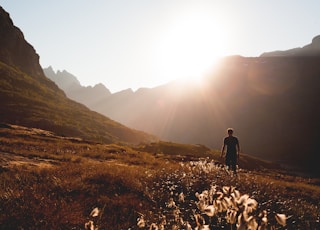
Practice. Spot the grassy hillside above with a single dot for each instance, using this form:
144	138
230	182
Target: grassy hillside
29	102
55	182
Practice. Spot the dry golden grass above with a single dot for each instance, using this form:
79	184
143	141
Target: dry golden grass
63	179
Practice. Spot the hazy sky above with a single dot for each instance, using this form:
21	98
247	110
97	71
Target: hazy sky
144	43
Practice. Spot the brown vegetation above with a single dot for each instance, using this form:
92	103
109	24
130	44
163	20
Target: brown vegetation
60	180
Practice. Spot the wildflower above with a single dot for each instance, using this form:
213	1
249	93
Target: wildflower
209	210
243	220
153	226
161	227
175	227
205	194
176	214
264	221
218	205
199	220
250	205
141	222
163	221
218	195
89	225
235	195
281	219
171	203
227	202
201	204
203	227
95	212
231	216
228	189
187	226
181	197
242	199
252	224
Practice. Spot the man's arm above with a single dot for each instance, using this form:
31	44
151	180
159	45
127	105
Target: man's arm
238	149
222	150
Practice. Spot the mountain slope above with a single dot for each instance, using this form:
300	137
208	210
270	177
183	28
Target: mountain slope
270	101
29	98
73	89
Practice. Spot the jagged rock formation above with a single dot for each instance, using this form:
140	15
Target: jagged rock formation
13	48
90	96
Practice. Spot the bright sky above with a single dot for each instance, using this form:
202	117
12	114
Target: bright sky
145	43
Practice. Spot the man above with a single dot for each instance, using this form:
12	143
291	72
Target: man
233	150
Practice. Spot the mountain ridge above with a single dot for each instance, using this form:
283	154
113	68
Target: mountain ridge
269	100
312	49
31	99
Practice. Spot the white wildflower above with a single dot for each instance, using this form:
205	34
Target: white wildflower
201	205
209	210
163	221
95	212
219	195
141	222
218	205
187	226
181	197
199	220
227	202
264	221
171	203
231	216
153	226
281	219
235	195
251	205
89	225
252	224
203	227
243	220
242	199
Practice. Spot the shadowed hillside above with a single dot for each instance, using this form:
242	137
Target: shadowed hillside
270	101
29	98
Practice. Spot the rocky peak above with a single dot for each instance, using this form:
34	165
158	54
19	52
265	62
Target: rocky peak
312	49
14	50
315	42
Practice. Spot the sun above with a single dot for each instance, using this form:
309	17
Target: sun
190	47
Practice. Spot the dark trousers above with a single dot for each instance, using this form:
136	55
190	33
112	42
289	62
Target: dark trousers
231	161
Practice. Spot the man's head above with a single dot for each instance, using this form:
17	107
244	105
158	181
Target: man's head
230	131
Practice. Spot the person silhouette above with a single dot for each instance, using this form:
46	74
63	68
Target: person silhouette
233	150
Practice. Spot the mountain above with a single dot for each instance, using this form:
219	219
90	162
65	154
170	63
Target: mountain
74	90
30	99
270	101
312	49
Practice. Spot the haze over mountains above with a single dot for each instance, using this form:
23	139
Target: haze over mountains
30	99
271	101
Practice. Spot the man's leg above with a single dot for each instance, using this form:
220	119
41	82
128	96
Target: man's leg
234	164
228	161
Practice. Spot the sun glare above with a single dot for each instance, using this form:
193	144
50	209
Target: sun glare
191	47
